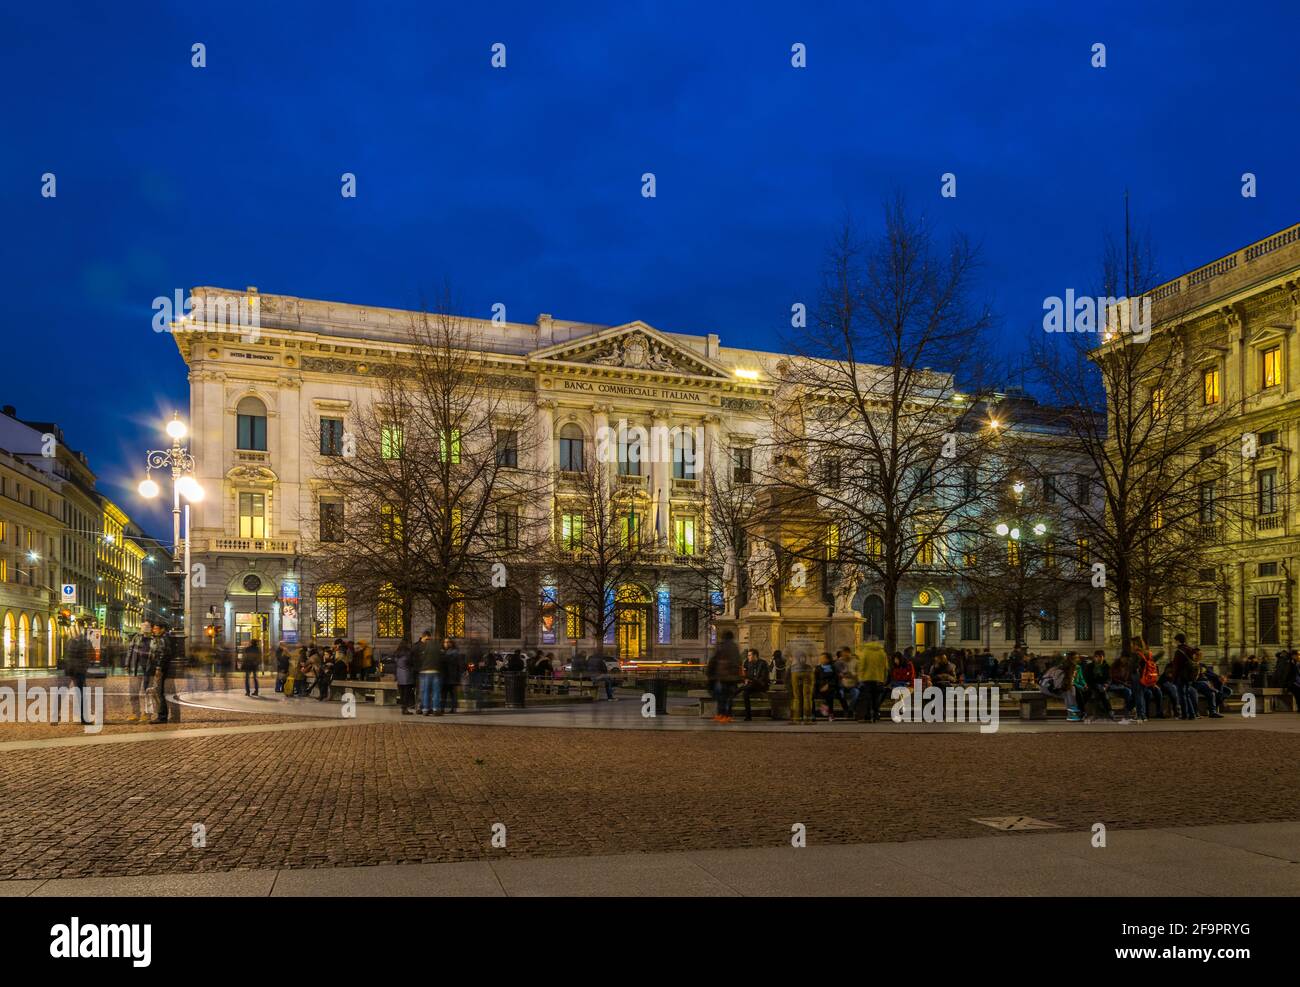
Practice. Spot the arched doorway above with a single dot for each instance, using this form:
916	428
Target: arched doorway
632	621
7	639
928	617
40	657
873	617
24	636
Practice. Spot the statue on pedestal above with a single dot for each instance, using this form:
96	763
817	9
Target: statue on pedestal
851	578
729	583
763	576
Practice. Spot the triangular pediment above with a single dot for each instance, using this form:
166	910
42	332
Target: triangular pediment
634	347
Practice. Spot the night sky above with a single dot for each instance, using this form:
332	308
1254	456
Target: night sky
523	185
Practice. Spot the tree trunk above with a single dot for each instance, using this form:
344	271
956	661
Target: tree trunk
890	591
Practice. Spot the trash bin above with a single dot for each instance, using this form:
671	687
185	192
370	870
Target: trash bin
515	683
657	686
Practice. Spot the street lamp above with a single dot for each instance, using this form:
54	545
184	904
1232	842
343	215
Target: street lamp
181	463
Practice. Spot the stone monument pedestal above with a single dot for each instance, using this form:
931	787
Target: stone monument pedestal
843	630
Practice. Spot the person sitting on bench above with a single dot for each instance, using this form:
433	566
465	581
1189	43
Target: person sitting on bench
755	679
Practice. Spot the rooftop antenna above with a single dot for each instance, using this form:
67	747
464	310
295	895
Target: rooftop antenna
1128	284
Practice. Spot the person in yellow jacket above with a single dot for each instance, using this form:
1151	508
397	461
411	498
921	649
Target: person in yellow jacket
873	673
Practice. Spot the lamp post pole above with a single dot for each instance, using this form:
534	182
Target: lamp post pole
181	464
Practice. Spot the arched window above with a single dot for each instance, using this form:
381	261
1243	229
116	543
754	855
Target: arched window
250	414
331	611
506	616
873	612
1083	620
389	612
571	453
630	450
684	449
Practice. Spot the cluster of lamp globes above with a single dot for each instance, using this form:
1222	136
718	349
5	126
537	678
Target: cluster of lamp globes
1005	530
186	486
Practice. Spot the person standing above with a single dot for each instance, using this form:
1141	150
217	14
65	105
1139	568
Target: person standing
873	671
404	670
452	666
76	662
250	666
281	667
755	680
723	672
799	673
159	653
430	675
137	663
1184	665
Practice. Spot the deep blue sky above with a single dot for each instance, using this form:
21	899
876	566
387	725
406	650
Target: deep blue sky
522	185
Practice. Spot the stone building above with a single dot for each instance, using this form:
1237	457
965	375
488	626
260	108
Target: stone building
256	390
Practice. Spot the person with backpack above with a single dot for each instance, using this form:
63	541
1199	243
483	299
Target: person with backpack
1211	686
755	679
1145	678
1058	682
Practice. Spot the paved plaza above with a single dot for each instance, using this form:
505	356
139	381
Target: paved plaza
284	788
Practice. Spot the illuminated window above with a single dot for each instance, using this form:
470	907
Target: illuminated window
390	524
573	621
1272	370
1082	547
456	619
331	519
391	442
1157	403
630	528
507	529
389	612
872	546
832	541
629	453
925	549
571	441
571	531
684	455
1213	391
1049	554
449	446
684	535
1157	516
252	515
1013	552
331	610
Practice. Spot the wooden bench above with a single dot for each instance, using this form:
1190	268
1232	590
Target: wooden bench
381	693
776	702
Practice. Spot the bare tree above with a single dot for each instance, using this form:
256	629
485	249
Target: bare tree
1145	415
889	447
430	493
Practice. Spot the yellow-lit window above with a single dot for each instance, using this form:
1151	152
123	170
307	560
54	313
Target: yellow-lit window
391	442
390	525
1157	402
4	531
1272	375
457	517
456	619
449	446
389	612
331	610
1049	554
872	546
573	621
571	531
684	535
1213	390
4	571
630	525
1013	552
1082	546
252	515
832	541
1157	517
925	550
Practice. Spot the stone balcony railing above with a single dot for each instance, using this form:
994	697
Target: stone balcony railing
1271	524
1253	263
683	485
252	456
265	546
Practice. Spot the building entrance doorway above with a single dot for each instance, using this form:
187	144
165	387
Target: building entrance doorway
251	627
632	621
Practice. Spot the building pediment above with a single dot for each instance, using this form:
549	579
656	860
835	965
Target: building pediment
635	347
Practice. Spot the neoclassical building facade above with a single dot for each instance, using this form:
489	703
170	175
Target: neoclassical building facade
256	390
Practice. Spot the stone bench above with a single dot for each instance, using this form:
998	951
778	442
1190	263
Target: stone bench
381	693
776	702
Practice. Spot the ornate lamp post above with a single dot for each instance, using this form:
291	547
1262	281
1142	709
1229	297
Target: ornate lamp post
184	485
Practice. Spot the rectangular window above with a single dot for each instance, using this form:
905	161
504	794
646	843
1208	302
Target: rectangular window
1049	624
832	541
1207	452
252	432
691	623
331	520
871	546
630	528
1271	371
1013	553
508	448
1266	489
571	531
684	535
970	483
1157	403
1049	489
831	473
390	524
1212	390
629	452
573	621
1267	631
925	549
1081	547
389	613
391	442
742	464
970	623
571	454
331	436
1082	492
252	515
1049	554
1009	627
1207	504
1153	629
449	446
1083	621
1209	614
1268	568
507	529
1268	437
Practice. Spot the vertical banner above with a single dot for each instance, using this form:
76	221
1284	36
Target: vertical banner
548	614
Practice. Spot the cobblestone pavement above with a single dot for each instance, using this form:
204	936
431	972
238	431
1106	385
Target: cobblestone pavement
399	793
118	710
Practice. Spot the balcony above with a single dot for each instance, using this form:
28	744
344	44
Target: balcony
631	482
682	485
1211	534
252	456
1268	525
251	546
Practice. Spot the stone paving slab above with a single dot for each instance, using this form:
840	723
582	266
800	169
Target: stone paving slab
1143	862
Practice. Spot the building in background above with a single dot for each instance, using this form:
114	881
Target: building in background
31	507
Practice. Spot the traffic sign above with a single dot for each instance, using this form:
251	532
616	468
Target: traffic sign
69	592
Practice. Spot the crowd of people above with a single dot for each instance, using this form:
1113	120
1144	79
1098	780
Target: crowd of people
857	680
